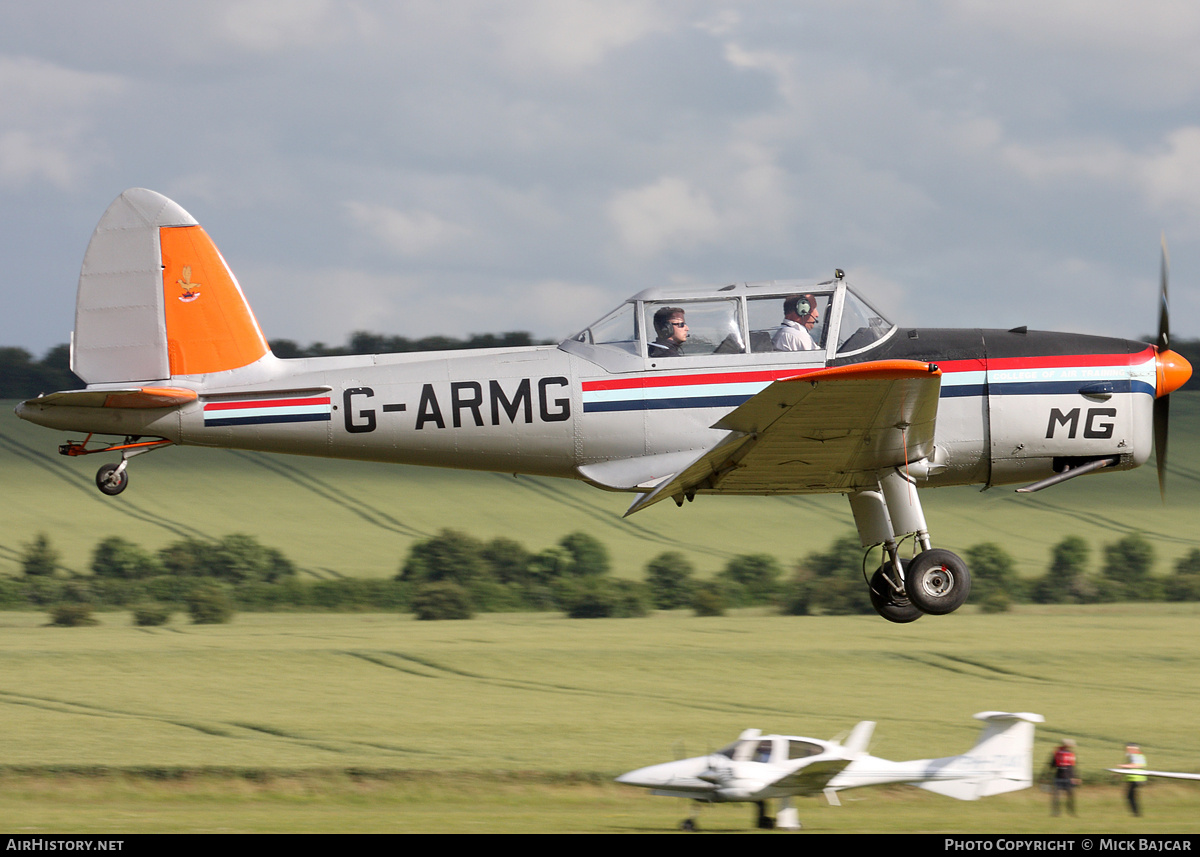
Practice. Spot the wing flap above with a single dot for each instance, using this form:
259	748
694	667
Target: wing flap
829	430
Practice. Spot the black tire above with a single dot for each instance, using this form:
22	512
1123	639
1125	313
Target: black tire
937	581
687	824
109	481
889	605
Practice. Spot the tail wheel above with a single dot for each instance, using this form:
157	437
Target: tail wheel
937	581
887	603
112	479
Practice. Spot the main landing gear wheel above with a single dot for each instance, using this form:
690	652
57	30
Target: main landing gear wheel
937	581
687	824
112	479
889	605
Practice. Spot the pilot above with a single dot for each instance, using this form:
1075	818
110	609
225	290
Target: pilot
800	315
672	332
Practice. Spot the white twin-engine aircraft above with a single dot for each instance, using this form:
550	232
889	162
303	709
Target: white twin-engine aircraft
750	388
758	768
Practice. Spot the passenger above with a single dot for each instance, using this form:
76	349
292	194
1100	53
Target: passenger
672	332
800	315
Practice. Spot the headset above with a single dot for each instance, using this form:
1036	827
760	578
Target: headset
799	304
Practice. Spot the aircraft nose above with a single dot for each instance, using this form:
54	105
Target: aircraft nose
1173	373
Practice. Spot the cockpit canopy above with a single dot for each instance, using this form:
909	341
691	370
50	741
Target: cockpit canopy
771	748
733	324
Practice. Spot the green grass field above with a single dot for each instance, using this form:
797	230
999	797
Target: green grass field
254	726
525	717
336	518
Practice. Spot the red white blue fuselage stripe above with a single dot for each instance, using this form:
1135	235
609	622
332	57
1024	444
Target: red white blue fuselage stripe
1011	376
263	411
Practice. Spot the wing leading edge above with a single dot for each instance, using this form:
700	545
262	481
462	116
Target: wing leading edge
829	430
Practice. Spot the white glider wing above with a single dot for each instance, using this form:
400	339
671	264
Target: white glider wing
1171	774
829	430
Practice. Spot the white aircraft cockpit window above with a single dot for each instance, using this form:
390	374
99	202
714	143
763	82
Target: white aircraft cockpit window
731	752
762	753
743	750
712	327
861	324
766	315
803	749
617	330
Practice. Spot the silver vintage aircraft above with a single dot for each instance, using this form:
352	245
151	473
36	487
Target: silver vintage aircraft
676	392
758	768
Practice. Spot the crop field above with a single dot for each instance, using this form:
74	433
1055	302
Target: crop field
518	721
336	518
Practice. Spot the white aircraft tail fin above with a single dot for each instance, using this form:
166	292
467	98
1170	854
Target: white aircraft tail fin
156	299
860	738
1001	760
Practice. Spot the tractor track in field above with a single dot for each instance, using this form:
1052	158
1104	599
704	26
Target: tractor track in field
332	494
72	477
561	496
235	730
440	671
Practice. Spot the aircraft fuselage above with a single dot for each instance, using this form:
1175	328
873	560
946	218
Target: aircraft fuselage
1011	403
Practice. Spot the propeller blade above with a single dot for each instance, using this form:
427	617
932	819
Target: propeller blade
1164	313
1162	404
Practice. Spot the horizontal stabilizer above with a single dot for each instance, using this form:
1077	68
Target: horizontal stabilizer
134	397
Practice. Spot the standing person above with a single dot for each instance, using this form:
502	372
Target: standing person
1065	781
800	316
1135	764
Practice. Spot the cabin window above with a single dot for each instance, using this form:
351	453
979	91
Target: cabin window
765	316
616	330
861	324
803	749
713	327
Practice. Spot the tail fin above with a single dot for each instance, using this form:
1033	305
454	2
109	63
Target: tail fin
156	299
1001	760
860	738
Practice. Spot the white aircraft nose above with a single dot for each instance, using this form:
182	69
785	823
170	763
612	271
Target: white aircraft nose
645	777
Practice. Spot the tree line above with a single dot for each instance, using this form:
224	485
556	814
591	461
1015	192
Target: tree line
23	377
453	575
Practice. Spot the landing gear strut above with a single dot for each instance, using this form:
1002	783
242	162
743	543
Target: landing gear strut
891	602
765	821
112	479
934	581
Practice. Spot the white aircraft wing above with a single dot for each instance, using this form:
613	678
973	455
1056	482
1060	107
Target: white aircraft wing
1172	774
812	778
829	430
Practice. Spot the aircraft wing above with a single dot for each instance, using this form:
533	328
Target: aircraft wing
829	430
812	778
131	397
1172	774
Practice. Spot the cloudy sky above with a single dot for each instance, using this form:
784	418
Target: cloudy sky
457	166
